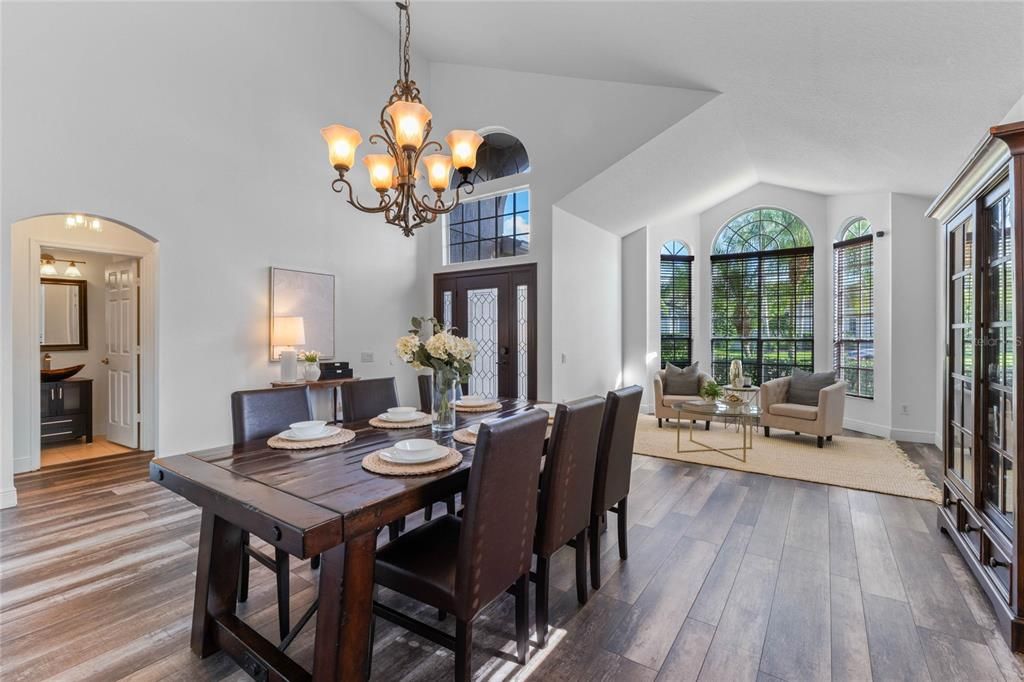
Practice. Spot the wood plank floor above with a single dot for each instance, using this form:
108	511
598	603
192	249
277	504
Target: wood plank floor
731	576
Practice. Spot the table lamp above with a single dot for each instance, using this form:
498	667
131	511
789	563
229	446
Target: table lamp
287	333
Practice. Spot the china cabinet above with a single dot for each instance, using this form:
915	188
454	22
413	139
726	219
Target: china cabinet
982	213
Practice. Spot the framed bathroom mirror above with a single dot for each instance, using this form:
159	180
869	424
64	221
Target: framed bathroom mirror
63	315
306	295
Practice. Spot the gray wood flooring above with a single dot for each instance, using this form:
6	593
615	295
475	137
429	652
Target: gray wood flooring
731	576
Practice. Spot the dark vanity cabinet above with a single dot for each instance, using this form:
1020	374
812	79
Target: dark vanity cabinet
982	216
66	410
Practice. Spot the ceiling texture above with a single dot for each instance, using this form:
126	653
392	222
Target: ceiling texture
827	97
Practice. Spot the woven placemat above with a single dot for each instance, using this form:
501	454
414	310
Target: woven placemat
343	436
481	408
464	436
373	462
379	423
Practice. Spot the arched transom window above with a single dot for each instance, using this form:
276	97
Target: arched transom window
676	303
762	295
763	229
496	226
858	227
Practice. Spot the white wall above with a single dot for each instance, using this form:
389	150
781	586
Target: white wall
913	354
199	124
635	279
93	275
586	289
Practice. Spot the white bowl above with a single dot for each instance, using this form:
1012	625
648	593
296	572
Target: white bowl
471	400
307	429
401	411
550	408
475	428
415	445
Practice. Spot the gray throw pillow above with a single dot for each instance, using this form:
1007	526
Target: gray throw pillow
682	381
804	386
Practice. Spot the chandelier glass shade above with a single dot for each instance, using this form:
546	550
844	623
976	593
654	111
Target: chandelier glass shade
405	134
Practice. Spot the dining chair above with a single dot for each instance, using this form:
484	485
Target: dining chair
460	565
262	413
566	492
614	464
367	398
425	382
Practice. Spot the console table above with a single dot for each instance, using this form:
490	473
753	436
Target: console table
320	384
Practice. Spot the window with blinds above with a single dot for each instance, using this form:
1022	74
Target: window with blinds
853	308
762	312
676	304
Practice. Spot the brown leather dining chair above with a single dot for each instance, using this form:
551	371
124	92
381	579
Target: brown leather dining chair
462	565
260	414
566	491
614	465
367	398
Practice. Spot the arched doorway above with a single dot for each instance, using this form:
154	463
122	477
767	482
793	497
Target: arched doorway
118	345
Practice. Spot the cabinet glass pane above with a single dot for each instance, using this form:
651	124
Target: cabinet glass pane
968	466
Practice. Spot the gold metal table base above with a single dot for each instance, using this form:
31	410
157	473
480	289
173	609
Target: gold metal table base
745	428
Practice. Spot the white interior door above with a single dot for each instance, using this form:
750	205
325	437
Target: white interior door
121	295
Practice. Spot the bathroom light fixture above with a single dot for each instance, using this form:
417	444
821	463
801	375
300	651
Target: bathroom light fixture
48	266
72	270
73	222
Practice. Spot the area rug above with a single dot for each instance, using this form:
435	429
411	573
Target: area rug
872	464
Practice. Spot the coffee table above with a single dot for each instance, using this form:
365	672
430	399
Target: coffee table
744	415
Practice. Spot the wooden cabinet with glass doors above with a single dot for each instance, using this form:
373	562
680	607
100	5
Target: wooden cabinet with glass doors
982	215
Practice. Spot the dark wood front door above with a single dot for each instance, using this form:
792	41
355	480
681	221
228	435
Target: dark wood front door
497	309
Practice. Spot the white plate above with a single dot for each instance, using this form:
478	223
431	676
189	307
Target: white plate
398	419
326	433
396	456
479	402
550	408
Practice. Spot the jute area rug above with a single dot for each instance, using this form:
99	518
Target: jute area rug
872	464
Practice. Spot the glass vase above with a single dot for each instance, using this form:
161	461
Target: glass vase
446	392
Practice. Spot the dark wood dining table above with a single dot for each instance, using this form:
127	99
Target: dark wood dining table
306	502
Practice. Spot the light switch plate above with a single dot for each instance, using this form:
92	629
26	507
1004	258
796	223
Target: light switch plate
366	357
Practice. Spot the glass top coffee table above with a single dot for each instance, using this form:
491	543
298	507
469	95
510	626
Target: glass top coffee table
745	415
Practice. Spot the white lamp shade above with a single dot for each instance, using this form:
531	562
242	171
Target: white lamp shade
288	331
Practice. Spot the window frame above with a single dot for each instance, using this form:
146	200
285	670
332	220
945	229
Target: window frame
494	188
839	317
679	261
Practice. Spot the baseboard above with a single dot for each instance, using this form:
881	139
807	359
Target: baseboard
867	427
8	498
913	436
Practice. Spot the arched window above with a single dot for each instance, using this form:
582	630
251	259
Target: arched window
499	225
853	337
762	295
676	304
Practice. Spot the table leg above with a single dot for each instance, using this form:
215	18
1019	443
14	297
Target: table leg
342	646
220	552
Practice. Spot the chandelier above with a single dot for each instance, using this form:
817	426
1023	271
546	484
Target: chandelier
406	126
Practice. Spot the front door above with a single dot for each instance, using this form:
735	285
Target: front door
121	296
497	309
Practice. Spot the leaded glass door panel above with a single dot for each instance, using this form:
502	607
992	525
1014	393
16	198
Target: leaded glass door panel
961	357
497	309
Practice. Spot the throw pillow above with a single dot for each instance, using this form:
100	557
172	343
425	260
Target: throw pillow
682	381
804	386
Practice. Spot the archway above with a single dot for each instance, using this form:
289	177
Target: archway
113	241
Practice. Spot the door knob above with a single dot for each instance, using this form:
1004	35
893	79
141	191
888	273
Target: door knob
105	361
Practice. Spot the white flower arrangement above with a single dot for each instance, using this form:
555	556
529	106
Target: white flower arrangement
309	355
443	351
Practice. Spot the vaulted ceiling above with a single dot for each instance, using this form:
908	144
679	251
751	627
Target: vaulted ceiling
829	97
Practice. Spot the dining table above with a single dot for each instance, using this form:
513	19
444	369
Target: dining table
314	502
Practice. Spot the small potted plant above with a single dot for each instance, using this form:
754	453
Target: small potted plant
311	368
711	391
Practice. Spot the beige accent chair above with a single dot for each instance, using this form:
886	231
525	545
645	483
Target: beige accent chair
823	421
663	403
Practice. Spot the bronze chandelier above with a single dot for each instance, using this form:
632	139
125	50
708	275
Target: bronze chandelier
406	126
